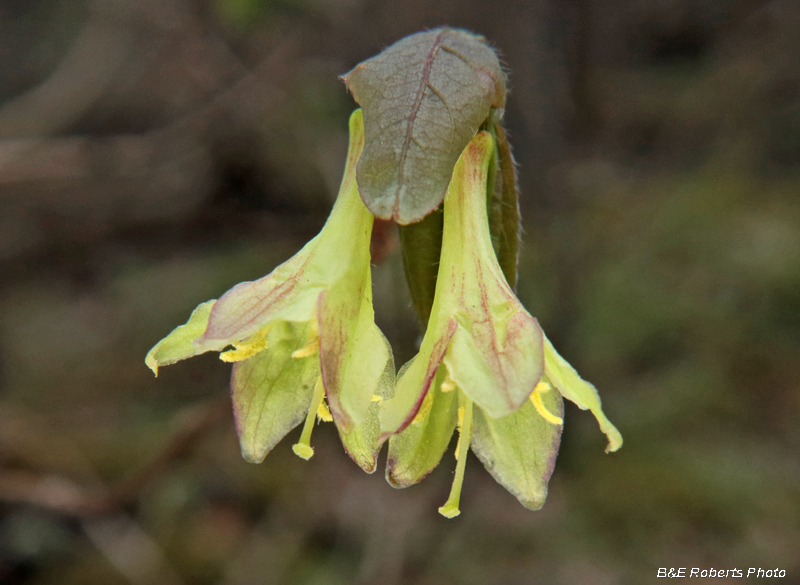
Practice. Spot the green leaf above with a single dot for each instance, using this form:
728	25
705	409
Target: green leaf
423	98
272	391
415	452
504	220
179	345
520	449
564	377
422	247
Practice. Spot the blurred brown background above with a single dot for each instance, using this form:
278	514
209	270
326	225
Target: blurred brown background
155	152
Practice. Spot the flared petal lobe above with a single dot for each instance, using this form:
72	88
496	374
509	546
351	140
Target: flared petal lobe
415	452
520	449
180	344
272	391
363	442
574	388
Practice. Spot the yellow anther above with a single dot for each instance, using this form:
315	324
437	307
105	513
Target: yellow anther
425	408
376	398
460	429
323	413
312	344
448	385
308	349
536	398
248	348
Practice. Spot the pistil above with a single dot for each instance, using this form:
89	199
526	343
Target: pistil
450	508
303	447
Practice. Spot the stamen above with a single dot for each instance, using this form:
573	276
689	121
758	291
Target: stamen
303	447
450	508
324	413
312	344
460	425
425	408
448	385
308	349
376	398
536	398
248	348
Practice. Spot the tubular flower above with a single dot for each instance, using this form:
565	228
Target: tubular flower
302	339
484	366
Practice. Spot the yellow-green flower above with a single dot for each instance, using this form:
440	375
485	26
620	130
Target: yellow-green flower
484	366
302	337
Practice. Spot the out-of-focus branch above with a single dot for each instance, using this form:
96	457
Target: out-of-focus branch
129	179
130	550
65	496
192	426
82	77
51	492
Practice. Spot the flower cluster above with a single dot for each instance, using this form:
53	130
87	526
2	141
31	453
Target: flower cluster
305	345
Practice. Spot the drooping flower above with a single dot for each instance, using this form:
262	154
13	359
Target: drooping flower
303	339
484	365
